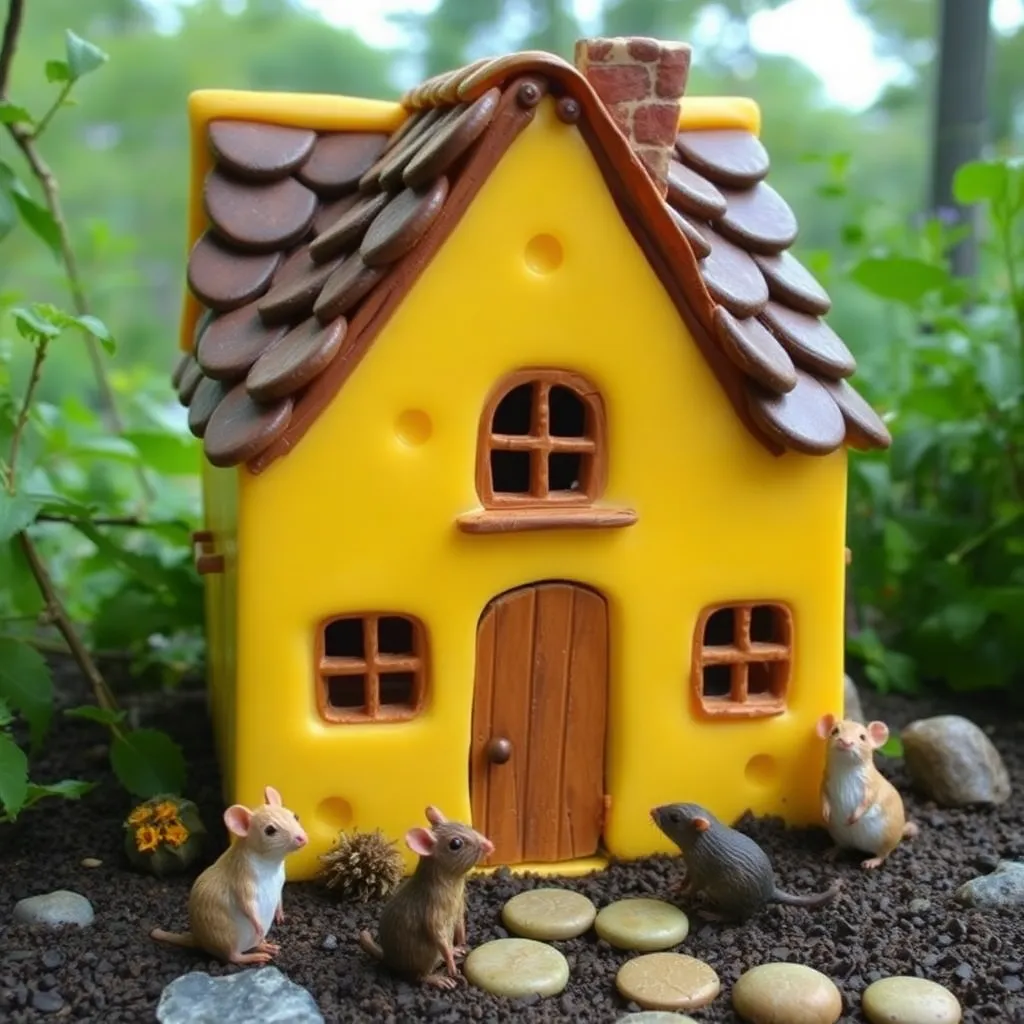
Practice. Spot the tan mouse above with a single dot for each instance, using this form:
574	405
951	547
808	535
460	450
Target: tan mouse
860	807
234	902
424	923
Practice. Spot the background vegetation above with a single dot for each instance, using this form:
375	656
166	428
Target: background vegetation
99	474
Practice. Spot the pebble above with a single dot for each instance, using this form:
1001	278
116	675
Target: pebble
91	862
517	967
549	914
330	942
784	993
53	909
668	981
655	1017
1004	887
642	924
47	1002
909	1000
265	995
52	959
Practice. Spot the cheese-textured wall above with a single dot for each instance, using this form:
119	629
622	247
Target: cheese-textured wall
357	518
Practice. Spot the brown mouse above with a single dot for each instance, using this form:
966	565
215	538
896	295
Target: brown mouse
860	807
726	866
234	902
424	923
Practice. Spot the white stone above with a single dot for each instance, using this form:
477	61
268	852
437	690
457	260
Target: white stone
517	967
954	763
642	924
548	914
1003	888
53	909
910	1000
261	994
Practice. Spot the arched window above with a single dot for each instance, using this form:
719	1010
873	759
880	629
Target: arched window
542	442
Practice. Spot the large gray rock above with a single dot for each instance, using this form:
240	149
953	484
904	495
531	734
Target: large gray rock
261	994
1004	888
53	909
954	763
851	701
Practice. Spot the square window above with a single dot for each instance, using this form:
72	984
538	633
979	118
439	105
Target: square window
764	678
717	681
394	635
720	628
397	688
510	472
767	625
346	693
514	413
343	638
567	413
565	471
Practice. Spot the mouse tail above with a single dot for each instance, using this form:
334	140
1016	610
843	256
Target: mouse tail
814	899
369	946
174	938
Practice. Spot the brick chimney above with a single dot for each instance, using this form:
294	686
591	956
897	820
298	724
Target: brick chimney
640	81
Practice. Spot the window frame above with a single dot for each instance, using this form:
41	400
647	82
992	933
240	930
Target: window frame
540	440
372	665
739	655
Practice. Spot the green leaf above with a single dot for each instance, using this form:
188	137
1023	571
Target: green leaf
99	330
146	569
16	512
165	452
899	278
129	617
26	683
83	56
38	219
892	747
10	113
148	762
20	585
66	789
980	180
57	71
13	776
8	215
6	714
107	447
32	326
91	713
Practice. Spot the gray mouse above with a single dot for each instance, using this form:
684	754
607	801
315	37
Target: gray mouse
424	924
727	867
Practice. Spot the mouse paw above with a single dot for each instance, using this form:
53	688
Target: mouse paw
269	947
459	952
442	981
871	863
250	958
278	915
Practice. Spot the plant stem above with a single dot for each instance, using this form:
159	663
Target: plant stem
44	121
26	407
46	517
11	31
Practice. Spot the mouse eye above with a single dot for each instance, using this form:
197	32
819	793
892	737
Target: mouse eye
270	830
295	816
455	844
675	816
835	731
863	736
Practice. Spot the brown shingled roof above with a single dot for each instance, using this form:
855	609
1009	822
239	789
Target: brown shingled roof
314	238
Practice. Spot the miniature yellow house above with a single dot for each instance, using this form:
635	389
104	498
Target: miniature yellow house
526	456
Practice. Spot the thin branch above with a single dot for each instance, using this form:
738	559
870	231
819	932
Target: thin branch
26	407
11	32
61	619
130	521
45	120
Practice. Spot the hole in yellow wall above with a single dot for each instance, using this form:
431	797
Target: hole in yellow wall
413	427
761	769
335	813
543	254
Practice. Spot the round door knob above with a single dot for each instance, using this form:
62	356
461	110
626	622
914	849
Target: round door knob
499	750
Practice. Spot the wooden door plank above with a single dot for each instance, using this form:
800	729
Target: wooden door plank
510	718
483	703
544	807
583	784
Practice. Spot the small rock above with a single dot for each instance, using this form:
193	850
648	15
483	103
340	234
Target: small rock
655	1017
668	981
954	763
264	994
642	924
908	1000
784	993
517	968
1003	888
548	914
52	959
53	909
91	862
1012	983
47	1002
919	905
851	701
330	942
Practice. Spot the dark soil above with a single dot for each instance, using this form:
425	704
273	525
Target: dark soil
112	972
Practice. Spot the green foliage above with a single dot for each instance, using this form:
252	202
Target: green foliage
935	525
148	762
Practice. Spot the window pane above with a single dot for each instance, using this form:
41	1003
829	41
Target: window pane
567	412
720	628
764	678
717	681
565	471
394	635
346	692
513	415
510	472
396	687
767	625
343	638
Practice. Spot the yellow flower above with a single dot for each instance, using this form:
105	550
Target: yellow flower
147	838
140	815
165	811
175	833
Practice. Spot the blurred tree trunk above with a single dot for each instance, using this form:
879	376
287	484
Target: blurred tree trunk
960	112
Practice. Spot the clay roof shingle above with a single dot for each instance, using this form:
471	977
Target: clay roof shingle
314	237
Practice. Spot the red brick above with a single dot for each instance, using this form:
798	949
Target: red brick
592	51
643	49
656	161
656	124
673	71
619	84
620	114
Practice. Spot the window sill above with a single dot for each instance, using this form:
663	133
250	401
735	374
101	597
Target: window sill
753	707
521	520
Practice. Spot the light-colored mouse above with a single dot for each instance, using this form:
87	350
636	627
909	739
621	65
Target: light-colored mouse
424	924
234	902
860	807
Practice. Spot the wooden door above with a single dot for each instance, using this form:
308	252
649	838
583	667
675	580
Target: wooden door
539	712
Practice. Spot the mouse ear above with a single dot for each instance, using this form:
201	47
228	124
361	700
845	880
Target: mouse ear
238	818
272	797
701	824
878	733
421	841
434	816
825	724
